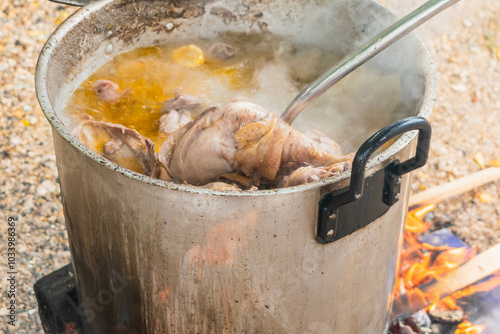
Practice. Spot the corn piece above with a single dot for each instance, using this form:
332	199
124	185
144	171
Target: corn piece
479	159
493	163
64	15
485	198
34	33
188	56
18	113
26	123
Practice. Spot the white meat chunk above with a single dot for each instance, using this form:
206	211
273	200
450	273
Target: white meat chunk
240	137
119	144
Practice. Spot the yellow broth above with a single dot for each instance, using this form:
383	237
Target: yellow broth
149	76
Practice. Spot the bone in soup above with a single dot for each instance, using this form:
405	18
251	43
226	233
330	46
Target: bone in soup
204	113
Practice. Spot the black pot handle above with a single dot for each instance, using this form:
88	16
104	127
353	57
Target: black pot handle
344	211
78	3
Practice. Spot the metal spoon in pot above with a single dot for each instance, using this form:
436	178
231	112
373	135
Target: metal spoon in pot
357	58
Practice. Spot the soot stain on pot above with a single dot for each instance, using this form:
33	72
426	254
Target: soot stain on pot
127	20
226	15
131	24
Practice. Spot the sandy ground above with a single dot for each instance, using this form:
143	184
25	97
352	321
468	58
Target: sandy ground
464	43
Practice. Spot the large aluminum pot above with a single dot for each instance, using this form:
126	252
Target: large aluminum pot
157	257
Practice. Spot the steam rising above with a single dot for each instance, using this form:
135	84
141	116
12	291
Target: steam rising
387	88
489	312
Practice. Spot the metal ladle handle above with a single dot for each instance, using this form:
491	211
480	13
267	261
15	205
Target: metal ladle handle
79	3
357	58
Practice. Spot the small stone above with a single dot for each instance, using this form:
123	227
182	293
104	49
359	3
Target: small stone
441	328
28	205
406	330
446	316
421	317
15	141
46	187
459	88
475	49
21	248
467	23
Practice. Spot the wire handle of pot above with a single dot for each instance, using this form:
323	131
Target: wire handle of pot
344	211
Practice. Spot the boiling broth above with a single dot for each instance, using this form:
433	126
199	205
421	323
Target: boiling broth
262	71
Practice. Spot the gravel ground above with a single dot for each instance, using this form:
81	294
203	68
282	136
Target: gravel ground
465	121
466	117
29	189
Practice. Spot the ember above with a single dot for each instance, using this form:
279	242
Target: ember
423	266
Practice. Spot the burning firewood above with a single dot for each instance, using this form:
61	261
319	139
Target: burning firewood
428	273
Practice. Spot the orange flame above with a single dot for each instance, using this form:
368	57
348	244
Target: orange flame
414	219
488	285
421	263
467	327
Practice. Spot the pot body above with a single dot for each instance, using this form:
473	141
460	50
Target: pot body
155	257
147	257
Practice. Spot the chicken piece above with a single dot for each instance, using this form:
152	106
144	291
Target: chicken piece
221	52
178	111
223	186
240	137
260	146
108	91
182	102
324	142
235	178
200	151
266	145
119	144
307	174
173	121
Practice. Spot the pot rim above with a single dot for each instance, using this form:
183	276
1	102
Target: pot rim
86	13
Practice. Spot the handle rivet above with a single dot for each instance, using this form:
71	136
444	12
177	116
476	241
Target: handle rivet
398	181
330	233
396	197
332	216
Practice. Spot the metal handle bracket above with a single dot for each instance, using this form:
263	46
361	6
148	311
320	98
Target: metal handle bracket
344	211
